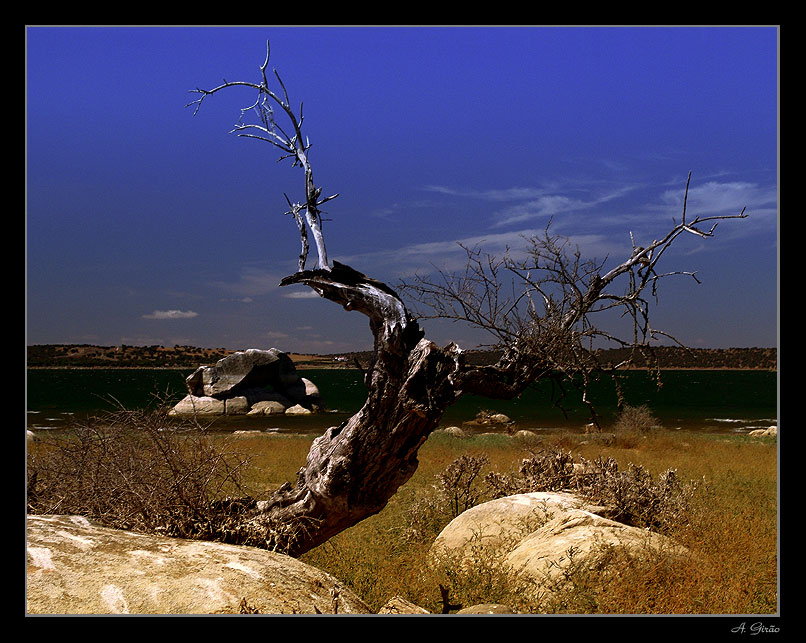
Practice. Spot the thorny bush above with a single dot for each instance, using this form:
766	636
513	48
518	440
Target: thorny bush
137	470
636	419
632	496
457	489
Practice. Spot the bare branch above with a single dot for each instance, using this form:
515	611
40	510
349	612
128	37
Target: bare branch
548	321
543	311
291	143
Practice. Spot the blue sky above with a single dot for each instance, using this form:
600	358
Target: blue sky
149	225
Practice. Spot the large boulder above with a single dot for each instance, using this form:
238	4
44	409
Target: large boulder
243	382
536	536
500	523
75	567
252	368
575	535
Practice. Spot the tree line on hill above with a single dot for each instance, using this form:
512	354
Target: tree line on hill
124	356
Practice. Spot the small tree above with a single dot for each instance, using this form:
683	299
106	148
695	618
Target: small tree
542	322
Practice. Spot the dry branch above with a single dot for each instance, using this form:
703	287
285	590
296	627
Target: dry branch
540	310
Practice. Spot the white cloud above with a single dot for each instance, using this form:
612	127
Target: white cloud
171	314
539	202
450	255
301	294
544	207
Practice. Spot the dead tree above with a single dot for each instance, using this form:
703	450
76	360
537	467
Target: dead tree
539	309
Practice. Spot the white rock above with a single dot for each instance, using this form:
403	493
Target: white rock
236	406
267	408
193	405
769	432
501	522
77	568
574	535
311	390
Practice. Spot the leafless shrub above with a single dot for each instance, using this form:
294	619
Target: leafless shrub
457	489
550	469
457	482
632	496
137	470
636	419
635	497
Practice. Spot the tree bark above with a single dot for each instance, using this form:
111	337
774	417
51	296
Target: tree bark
354	469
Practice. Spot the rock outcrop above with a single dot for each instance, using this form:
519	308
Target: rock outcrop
769	432
538	535
501	523
75	567
573	535
399	605
251	382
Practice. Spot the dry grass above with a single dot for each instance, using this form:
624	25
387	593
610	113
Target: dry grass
137	470
731	529
731	534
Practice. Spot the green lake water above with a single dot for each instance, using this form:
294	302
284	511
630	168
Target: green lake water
720	401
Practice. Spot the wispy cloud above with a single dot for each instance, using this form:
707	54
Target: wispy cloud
722	198
597	217
535	203
252	282
506	194
171	314
451	255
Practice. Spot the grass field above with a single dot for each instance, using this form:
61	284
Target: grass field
731	535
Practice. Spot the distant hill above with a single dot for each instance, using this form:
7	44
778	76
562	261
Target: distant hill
87	355
123	356
673	357
707	358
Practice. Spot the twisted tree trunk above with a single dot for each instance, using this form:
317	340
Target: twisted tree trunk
354	469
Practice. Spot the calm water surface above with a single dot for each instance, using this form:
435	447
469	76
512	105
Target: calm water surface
720	401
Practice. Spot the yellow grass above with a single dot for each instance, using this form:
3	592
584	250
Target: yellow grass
732	536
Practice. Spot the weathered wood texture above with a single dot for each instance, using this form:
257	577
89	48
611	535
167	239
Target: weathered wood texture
353	469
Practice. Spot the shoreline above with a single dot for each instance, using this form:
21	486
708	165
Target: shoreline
189	357
304	367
